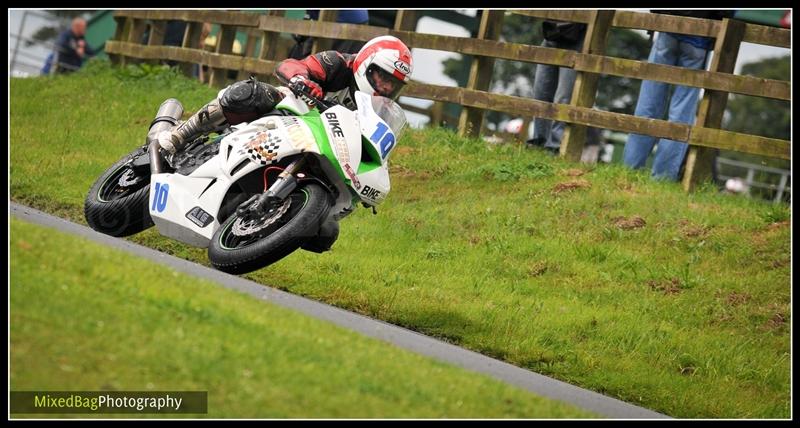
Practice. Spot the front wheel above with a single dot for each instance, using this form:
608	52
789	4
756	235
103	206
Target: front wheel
244	243
117	203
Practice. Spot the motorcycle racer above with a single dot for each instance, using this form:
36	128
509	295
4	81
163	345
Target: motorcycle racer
382	67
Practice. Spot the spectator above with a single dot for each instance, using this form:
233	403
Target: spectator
71	47
352	16
677	50
554	84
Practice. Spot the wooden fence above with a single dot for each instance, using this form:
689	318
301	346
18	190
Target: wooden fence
590	63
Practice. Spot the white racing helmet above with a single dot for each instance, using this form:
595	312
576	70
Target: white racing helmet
383	67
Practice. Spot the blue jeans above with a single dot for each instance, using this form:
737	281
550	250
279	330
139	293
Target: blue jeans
653	101
552	84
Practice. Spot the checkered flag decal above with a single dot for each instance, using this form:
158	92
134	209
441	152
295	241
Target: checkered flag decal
289	121
264	151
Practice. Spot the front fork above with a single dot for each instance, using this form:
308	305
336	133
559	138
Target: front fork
259	205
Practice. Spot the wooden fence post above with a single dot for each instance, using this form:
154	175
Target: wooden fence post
191	40
406	20
480	75
249	52
120	35
436	114
269	43
134	35
709	114
319	45
585	89
158	30
225	39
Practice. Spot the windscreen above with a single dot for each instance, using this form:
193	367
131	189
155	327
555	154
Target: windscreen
391	113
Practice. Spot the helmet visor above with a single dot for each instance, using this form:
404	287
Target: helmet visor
384	83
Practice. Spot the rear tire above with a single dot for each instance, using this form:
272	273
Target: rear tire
233	250
117	203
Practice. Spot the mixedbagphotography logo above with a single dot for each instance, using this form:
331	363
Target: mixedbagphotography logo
109	402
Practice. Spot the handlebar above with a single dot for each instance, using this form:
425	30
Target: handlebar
319	102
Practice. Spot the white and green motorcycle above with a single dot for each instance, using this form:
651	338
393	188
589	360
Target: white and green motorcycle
259	191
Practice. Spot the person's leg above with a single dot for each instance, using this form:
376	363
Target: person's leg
563	95
652	102
566	81
544	89
683	109
242	101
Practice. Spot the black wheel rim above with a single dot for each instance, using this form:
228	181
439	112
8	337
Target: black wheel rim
121	183
229	240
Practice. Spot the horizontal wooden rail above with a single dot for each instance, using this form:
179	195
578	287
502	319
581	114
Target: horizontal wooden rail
505	103
593	64
239	19
198	56
758	34
601	119
753	33
744	85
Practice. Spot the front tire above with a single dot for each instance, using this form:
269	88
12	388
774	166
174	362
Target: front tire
117	203
244	244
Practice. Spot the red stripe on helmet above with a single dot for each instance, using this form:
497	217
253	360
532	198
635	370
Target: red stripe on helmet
379	45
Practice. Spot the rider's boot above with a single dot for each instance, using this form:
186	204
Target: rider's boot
209	118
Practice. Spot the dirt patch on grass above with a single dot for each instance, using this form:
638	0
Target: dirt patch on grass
777	264
624	223
401	171
404	150
626	188
536	269
570	185
691	230
736	299
775	322
668	287
778	225
574	172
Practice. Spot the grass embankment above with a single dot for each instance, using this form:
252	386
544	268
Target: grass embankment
123	323
596	275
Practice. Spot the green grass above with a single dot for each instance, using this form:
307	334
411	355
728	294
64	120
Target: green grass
498	249
124	323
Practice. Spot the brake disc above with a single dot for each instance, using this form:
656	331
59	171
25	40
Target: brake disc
249	226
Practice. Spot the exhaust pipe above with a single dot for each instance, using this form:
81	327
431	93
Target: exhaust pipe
168	115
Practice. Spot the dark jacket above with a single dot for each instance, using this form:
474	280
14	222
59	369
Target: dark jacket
67	47
332	70
563	32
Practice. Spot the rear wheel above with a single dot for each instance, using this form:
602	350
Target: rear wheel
117	203
246	243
